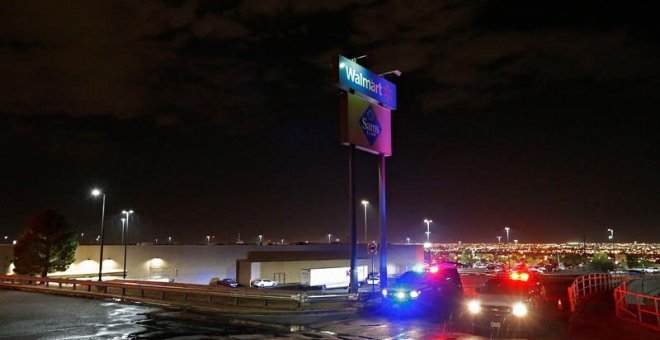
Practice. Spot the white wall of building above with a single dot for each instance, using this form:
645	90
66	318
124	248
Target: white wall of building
199	263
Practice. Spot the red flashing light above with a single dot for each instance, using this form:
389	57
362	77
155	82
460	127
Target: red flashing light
519	276
434	269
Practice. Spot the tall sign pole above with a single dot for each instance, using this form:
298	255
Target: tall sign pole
366	101
353	288
383	222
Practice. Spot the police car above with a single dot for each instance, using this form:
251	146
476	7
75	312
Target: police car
510	302
435	291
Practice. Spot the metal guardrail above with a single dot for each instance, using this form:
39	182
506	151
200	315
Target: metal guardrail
589	284
635	306
180	294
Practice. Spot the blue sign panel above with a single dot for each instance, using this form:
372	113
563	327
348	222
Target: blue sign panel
370	125
365	83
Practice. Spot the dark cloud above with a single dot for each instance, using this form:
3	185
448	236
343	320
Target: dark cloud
475	66
510	111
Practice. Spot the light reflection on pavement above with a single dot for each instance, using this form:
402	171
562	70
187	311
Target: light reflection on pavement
387	328
42	316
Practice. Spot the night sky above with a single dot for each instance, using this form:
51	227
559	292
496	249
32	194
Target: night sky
219	117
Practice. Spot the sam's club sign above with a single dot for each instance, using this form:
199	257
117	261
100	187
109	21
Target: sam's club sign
365	125
365	83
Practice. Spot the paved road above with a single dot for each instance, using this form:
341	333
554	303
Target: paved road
36	316
43	316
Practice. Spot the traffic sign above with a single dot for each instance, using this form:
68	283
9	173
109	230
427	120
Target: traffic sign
371	248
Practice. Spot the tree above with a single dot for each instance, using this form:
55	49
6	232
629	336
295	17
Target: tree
600	262
637	261
466	257
572	260
633	261
46	246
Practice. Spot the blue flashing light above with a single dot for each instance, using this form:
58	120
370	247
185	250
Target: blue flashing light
418	268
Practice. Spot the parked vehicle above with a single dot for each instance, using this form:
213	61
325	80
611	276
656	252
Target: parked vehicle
479	265
228	282
652	270
264	283
372	279
335	277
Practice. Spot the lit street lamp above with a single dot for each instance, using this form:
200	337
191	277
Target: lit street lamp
124	235
169	240
407	240
428	230
365	203
499	238
96	193
329	240
208	240
611	238
261	237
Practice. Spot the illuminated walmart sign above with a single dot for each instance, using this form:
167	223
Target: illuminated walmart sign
365	83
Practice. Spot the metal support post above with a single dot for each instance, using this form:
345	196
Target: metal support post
383	222
353	288
102	237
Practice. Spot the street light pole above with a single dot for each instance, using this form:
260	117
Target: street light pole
95	193
123	241
499	238
329	241
125	238
611	237
507	244
365	203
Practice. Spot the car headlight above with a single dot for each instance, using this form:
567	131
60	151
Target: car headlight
400	295
519	310
414	294
474	306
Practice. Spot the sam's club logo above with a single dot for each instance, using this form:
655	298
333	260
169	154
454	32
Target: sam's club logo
370	125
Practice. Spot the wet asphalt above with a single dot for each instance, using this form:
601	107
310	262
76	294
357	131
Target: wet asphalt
27	315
